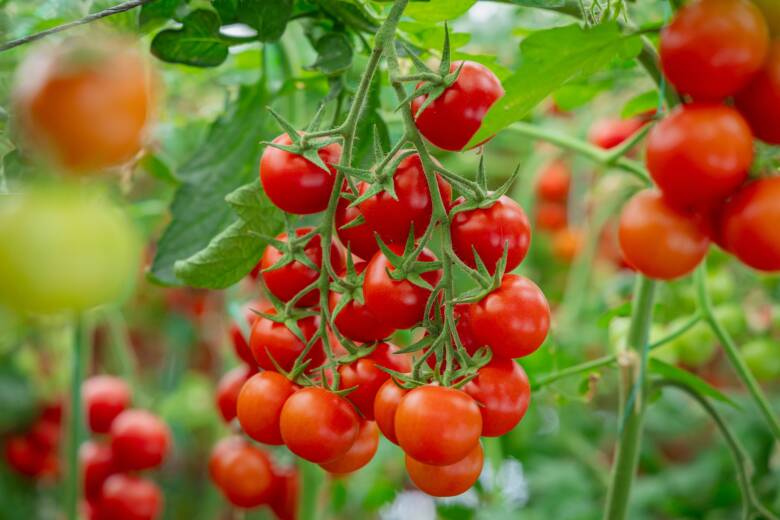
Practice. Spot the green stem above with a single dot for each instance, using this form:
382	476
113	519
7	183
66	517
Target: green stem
76	428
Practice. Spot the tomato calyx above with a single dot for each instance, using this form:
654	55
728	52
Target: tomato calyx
302	144
381	178
406	266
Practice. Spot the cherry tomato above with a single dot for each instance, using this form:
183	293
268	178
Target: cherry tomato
360	454
393	218
437	425
713	47
359	239
763	358
45	432
97	464
127	497
228	389
567	244
260	406
488	231
240	343
291	279
455	116
366	376
611	132
448	480
551	216
221	454
513	320
139	440
554	182
105	397
356	321
658	240
284	502
318	425
25	456
246	476
271	340
749	224
398	303
502	390
385	405
759	101
295	184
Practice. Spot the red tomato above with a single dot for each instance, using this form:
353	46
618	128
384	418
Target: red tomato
449	480
220	454
240	343
360	454
284	503
127	497
713	47
437	425
385	405
260	406
271	340
97	464
759	101
488	231
318	425
551	216
45	433
295	184
567	244
394	218
246	476
139	440
355	321
610	132
455	116
25	456
502	390
228	389
750	224
513	320
554	182
400	304
291	279
658	240
359	239
365	375
105	397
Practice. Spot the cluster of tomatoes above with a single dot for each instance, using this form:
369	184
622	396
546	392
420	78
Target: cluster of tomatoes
719	56
552	197
34	453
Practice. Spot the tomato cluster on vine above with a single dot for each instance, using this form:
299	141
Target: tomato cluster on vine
34	453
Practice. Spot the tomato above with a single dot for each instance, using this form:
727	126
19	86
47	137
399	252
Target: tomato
551	216
567	244
365	375
611	132
713	47
554	182
271	340
25	456
658	240
246	476
295	184
284	502
139	440
127	497
221	454
763	358
502	390
453	118
97	464
45	432
228	390
749	224
105	397
85	105
361	452
448	480
260	406
488	231
714	162
291	279
64	248
359	239
385	405
759	101
437	425
696	347
399	304
356	321
513	320
393	218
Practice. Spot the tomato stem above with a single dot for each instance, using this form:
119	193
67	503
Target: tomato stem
80	355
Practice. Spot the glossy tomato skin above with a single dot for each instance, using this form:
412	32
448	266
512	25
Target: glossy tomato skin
240	342
139	440
367	377
759	101
385	405
554	182
318	425
97	464
488	231
104	397
360	454
659	240
448	480
284	503
221	454
454	117
513	320
228	389
271	340
127	497
355	321
713	47
503	392
260	406
699	154
400	304
246	476
611	132
750	224
295	184
358	239
437	425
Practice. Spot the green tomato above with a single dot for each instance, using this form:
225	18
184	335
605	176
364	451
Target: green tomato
763	358
697	346
191	404
64	249
732	317
721	286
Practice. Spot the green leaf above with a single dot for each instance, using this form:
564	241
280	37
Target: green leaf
268	18
644	102
334	54
370	118
438	10
197	43
683	376
575	95
549	60
156	167
227	9
158	12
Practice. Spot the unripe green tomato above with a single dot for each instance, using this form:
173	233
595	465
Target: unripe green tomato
721	286
763	358
732	317
697	346
64	248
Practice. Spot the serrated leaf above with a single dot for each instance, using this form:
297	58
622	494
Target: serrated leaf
334	54
268	18
644	102
438	10
674	373
197	43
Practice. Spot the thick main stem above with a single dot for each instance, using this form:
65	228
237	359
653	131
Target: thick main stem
75	418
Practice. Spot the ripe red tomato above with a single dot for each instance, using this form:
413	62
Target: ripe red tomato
503	392
385	405
104	397
750	224
240	343
291	279
360	454
365	375
696	168
356	321
25	456
220	454
97	464
271	340
127	497
658	240
551	216
295	184
513	320
228	388
45	432
759	101
139	440
554	181
359	239
246	476
713	47
455	116
448	480
260	406
284	502
488	231
400	304
610	132
437	425
394	218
